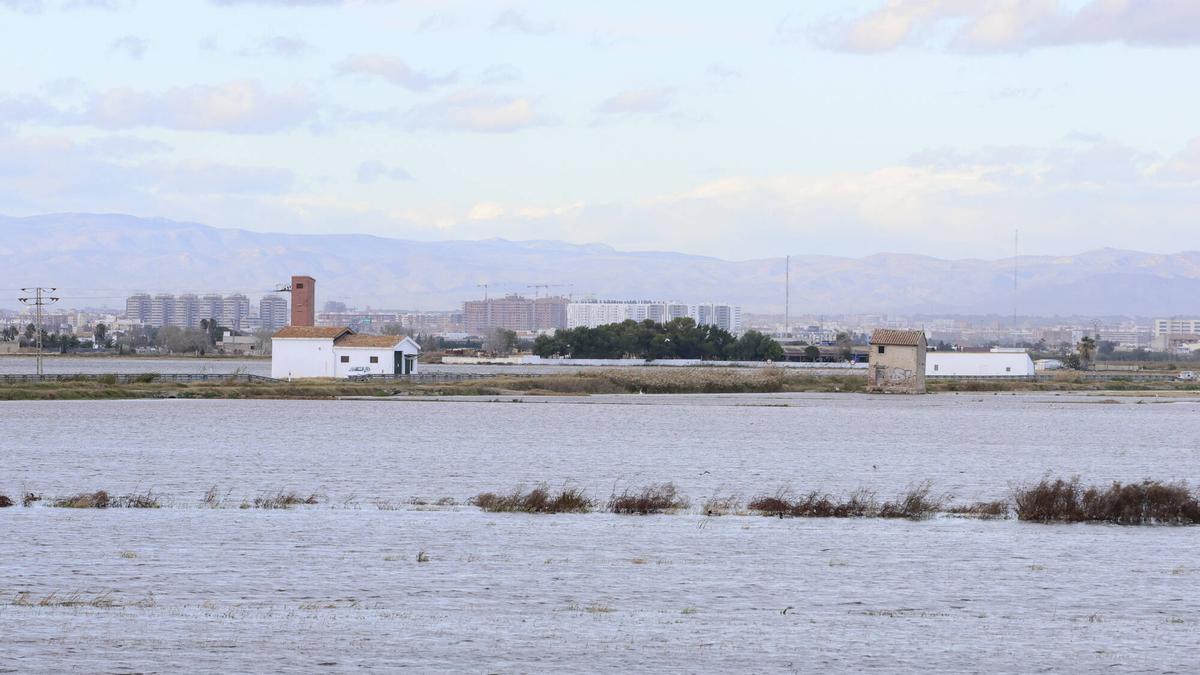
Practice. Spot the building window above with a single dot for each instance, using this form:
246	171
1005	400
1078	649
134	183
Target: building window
299	286
935	367
881	349
374	359
1008	369
345	359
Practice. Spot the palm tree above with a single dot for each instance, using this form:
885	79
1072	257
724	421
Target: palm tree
1086	349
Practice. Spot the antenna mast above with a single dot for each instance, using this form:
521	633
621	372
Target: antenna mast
787	296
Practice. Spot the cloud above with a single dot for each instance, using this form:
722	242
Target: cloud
23	6
108	5
372	171
641	101
436	22
1012	25
502	73
512	21
475	111
201	177
134	47
280	46
394	71
237	107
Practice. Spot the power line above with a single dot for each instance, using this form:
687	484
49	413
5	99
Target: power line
37	302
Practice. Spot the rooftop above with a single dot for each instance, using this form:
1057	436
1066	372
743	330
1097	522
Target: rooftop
311	332
381	341
900	338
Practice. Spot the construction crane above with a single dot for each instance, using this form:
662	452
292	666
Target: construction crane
535	288
485	290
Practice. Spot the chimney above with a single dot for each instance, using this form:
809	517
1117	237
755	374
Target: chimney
304	294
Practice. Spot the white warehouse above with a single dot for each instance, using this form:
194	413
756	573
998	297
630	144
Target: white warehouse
328	351
979	364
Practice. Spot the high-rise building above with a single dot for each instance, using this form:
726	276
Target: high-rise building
304	301
272	312
237	308
137	308
162	310
593	313
514	312
187	311
212	306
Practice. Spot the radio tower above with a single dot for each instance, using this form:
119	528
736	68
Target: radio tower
38	301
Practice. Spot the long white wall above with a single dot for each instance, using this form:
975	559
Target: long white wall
991	364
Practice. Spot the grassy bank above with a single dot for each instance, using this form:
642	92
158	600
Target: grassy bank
600	381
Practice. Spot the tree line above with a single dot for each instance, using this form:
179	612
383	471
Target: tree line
675	339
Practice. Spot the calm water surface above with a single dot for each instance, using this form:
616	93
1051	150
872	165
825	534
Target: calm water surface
338	586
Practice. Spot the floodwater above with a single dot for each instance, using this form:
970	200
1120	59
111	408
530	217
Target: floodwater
338	586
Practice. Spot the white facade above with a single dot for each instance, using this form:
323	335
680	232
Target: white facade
307	352
988	364
593	313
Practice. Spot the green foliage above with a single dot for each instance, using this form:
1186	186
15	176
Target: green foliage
676	339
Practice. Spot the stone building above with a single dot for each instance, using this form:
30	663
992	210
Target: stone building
897	362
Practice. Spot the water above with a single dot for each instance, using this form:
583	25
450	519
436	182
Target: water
194	588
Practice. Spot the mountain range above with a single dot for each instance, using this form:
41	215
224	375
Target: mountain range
98	259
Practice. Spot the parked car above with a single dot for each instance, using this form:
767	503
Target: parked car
358	371
1187	376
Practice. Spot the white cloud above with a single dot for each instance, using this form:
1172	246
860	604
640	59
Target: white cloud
372	171
24	6
1004	25
237	107
281	46
475	111
513	21
132	46
394	71
639	101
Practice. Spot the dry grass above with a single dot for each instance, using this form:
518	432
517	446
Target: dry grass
1146	503
102	500
654	498
915	504
538	500
997	510
284	500
721	506
30	498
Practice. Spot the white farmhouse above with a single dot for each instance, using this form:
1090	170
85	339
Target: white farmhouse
325	351
979	364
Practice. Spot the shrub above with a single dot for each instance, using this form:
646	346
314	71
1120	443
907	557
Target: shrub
1148	502
283	500
84	500
915	504
984	510
654	498
538	500
5	502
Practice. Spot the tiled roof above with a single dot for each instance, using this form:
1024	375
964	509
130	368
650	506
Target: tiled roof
310	332
900	338
380	341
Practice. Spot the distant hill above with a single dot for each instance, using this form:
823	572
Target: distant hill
98	259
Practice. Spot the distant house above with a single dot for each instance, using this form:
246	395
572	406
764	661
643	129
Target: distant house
996	363
327	351
897	362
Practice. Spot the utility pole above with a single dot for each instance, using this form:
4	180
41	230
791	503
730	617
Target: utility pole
38	301
787	296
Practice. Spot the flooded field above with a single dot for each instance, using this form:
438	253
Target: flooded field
375	576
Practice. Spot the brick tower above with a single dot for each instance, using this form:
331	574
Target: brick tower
304	301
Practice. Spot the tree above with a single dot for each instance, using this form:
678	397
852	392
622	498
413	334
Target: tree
502	340
755	346
812	353
100	333
1072	361
1086	349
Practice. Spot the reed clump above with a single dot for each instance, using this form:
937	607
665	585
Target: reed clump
653	498
284	500
1146	503
102	500
538	500
917	503
995	510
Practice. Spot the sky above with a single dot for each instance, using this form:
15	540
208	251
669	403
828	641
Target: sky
736	130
